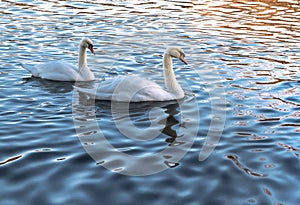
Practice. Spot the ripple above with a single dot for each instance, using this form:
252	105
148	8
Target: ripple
248	48
11	159
245	169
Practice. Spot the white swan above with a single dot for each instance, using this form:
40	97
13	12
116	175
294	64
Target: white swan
64	71
136	89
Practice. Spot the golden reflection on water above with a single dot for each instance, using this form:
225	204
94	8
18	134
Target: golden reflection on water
268	16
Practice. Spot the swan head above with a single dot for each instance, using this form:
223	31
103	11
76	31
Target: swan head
87	43
176	52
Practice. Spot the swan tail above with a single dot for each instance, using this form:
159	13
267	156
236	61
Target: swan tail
92	92
32	69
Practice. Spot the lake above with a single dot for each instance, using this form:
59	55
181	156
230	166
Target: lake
233	139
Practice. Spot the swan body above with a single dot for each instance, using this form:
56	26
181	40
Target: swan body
128	89
64	71
137	89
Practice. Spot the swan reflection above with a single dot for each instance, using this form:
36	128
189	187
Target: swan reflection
135	138
49	85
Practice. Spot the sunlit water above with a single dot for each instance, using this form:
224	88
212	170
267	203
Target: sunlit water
250	49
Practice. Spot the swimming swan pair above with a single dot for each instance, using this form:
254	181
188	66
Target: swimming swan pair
122	88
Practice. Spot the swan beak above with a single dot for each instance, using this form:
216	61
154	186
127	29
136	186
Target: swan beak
183	59
91	47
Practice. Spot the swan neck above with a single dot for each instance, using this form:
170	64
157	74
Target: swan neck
170	79
82	64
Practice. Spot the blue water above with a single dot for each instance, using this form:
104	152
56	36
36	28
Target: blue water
242	81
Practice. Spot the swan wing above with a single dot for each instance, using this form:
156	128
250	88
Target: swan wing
138	89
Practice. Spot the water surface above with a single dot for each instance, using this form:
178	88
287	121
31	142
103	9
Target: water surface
249	49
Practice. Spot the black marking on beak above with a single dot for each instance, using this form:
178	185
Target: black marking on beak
91	47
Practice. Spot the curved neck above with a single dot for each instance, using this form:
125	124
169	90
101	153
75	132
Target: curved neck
84	72
82	58
169	76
